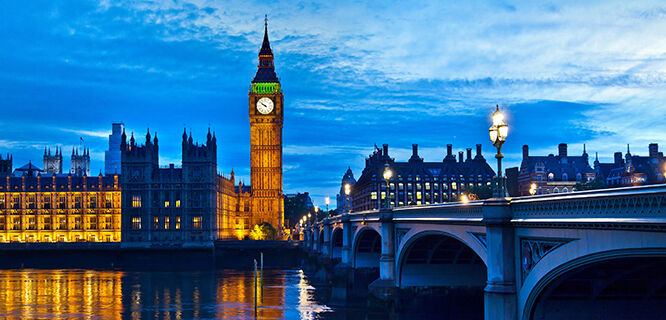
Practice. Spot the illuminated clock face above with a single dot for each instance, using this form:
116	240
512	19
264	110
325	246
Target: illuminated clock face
265	105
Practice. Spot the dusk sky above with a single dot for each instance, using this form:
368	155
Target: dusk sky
352	75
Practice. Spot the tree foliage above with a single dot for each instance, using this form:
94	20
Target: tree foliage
590	185
263	231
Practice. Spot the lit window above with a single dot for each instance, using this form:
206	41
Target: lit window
136	223
177	222
418	196
373	195
136	201
156	223
177	203
166	223
166	204
454	186
196	222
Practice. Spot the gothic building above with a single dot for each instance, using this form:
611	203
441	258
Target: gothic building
266	111
194	205
633	169
80	162
417	182
53	162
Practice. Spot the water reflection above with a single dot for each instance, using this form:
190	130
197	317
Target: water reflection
90	294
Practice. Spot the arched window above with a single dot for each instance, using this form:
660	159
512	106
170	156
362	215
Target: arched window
565	177
579	177
551	176
556	190
565	190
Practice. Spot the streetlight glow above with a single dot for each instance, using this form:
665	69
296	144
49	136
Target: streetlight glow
347	188
533	189
498	133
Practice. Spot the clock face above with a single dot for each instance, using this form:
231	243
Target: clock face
265	105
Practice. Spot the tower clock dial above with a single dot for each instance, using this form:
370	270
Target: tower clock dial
265	105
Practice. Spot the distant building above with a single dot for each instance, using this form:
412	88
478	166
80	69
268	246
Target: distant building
553	173
47	207
512	181
112	156
53	162
80	162
6	166
344	201
416	182
633	169
296	205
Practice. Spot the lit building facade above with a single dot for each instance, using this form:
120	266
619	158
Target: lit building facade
633	170
416	182
553	173
59	208
344	201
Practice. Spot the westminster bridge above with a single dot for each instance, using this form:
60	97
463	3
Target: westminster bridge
598	253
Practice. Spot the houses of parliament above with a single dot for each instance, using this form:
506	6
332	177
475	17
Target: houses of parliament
138	202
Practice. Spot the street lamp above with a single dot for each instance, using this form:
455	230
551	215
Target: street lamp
327	202
347	192
498	132
533	189
388	173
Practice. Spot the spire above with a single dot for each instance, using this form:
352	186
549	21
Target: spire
148	136
265	69
184	134
208	136
155	138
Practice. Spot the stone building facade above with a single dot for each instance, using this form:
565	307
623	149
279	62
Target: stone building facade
417	182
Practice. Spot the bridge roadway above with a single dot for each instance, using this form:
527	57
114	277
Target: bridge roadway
554	256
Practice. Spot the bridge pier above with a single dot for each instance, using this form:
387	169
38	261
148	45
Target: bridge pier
343	274
500	301
383	292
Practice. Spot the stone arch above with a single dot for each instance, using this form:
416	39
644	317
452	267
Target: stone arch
320	240
336	243
447	249
611	281
366	248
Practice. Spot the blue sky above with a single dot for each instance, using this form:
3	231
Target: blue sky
353	74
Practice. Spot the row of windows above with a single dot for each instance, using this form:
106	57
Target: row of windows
56	201
165	223
196	200
59	223
436	178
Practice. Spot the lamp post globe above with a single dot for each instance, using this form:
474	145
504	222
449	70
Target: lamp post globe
387	175
498	133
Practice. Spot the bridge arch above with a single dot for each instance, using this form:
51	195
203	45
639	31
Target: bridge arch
427	257
320	240
367	248
617	284
586	250
336	243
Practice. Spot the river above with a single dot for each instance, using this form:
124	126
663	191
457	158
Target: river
203	294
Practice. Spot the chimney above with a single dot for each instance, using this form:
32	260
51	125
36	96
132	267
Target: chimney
562	150
469	154
385	149
478	151
415	150
654	150
526	151
618	159
460	156
449	150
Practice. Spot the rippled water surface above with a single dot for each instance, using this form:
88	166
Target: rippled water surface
221	294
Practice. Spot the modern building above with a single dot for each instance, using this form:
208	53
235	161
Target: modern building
553	173
344	201
47	207
417	182
633	169
112	156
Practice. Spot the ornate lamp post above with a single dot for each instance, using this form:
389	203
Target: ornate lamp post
347	192
498	132
327	202
387	175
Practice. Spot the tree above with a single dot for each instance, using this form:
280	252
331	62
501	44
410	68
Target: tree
481	192
263	231
296	206
590	185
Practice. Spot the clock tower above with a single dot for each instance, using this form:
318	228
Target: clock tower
266	116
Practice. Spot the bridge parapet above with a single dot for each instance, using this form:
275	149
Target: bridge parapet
645	204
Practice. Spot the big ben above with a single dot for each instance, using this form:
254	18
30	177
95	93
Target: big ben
266	116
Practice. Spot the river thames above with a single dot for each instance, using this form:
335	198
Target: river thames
205	294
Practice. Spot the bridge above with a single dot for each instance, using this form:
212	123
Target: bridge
557	256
